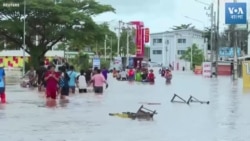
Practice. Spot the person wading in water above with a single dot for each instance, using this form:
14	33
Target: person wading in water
98	81
72	82
51	78
40	76
64	84
2	84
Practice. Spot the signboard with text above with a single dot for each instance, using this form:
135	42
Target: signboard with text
206	69
139	38
246	74
228	52
235	13
96	62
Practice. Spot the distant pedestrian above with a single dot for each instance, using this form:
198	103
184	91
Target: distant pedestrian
105	73
232	68
2	84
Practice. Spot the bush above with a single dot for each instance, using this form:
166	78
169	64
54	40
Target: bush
105	64
80	62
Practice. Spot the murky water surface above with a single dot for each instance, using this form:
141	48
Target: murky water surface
27	117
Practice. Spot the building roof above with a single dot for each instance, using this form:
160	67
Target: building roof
174	31
20	53
50	53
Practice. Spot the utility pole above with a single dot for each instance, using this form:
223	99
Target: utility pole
118	37
211	33
129	32
127	48
235	65
111	47
191	57
217	38
105	48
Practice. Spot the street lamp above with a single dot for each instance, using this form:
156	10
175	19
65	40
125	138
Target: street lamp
212	19
119	36
105	47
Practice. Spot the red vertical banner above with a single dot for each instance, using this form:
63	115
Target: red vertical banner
143	41
146	35
139	38
139	41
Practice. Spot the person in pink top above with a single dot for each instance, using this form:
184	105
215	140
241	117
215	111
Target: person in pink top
98	81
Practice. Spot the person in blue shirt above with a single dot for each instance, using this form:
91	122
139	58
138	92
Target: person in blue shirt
72	82
2	84
64	84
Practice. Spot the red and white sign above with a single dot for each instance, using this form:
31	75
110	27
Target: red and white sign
139	38
206	69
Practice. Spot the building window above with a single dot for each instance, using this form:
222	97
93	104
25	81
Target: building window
181	41
156	41
157	51
167	42
180	52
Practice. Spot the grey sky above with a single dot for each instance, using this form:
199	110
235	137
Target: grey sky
161	15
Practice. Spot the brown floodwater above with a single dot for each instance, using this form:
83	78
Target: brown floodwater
28	117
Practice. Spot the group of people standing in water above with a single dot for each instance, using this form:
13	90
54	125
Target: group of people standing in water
63	80
139	75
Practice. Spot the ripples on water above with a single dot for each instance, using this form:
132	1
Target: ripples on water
28	117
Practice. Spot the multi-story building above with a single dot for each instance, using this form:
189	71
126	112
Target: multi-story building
167	47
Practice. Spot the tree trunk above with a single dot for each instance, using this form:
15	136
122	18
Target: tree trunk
36	56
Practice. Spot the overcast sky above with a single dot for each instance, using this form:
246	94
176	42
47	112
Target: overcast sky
161	15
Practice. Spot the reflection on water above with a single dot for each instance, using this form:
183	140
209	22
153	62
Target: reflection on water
85	116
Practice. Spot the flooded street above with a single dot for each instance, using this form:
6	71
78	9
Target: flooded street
27	117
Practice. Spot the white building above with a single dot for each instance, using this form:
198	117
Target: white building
167	47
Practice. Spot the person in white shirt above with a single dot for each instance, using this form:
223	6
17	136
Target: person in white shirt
82	84
123	75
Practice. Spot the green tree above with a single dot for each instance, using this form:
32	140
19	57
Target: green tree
183	26
195	53
52	22
82	60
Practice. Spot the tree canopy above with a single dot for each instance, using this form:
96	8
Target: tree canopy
183	26
195	53
51	22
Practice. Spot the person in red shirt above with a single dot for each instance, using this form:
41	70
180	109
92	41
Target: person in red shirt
151	76
131	74
51	78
